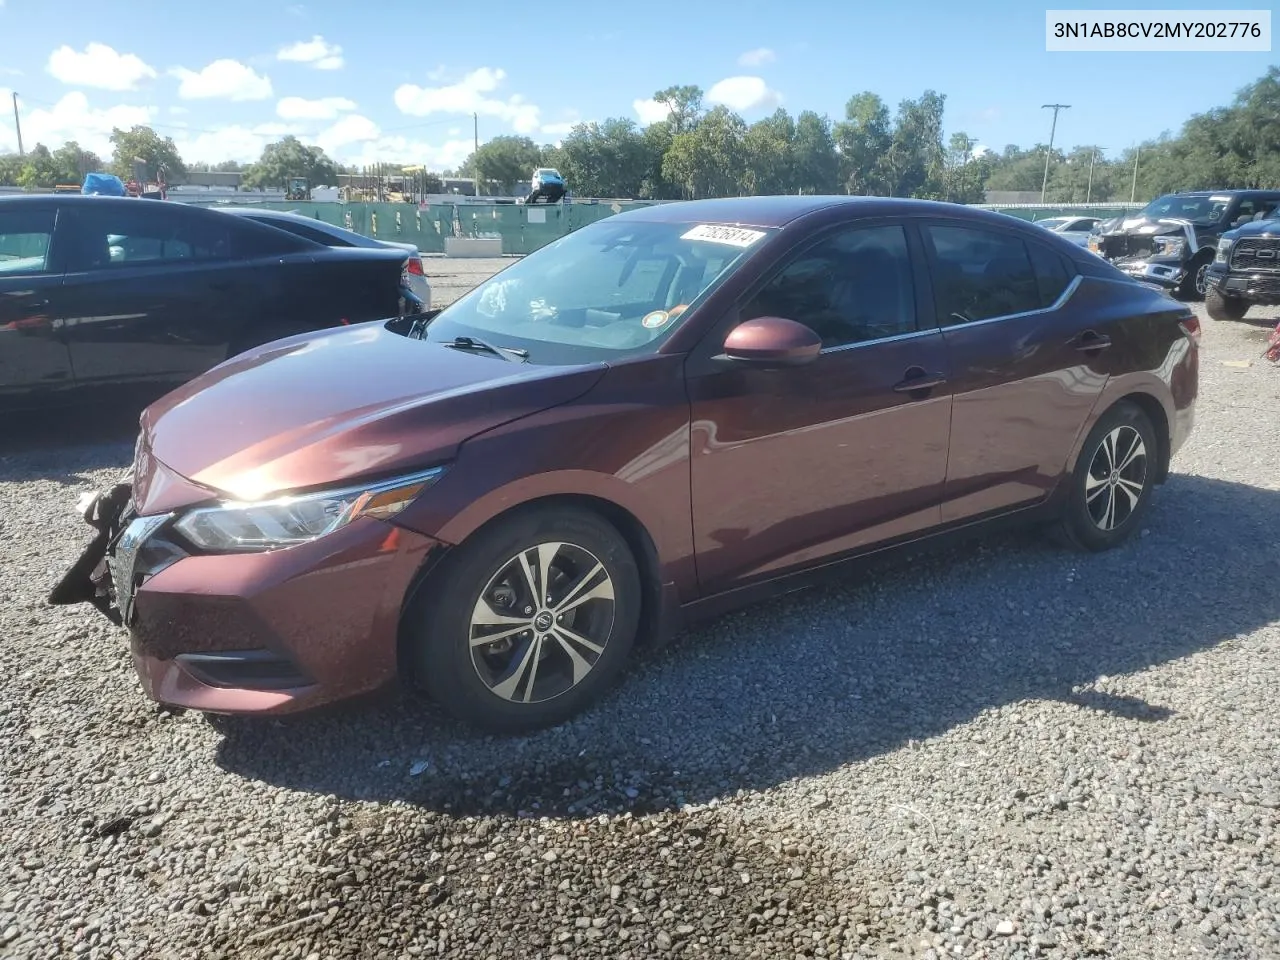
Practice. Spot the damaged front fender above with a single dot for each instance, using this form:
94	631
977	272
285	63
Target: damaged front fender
89	579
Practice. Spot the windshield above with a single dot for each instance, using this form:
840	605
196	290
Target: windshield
610	289
1195	209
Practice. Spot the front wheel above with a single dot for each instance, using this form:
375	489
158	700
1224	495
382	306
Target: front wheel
1112	483
529	622
1224	308
1194	285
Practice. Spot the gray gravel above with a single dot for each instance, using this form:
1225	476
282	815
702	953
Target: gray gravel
1006	750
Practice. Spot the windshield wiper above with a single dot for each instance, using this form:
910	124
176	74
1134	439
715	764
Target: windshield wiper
474	343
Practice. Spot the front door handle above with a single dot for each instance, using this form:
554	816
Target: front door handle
1092	341
917	379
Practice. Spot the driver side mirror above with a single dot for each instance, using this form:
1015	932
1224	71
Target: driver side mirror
772	341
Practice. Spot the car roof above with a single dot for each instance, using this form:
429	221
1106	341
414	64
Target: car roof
780	210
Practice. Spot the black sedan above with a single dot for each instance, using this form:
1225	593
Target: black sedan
110	291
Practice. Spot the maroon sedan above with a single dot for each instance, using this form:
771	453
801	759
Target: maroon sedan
652	419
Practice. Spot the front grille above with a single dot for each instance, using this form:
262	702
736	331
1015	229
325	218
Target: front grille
1256	254
1128	246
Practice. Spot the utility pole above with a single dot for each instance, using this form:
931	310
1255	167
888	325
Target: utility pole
1133	189
964	166
17	124
1089	192
475	167
1055	107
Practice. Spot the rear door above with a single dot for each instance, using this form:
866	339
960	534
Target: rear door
1028	357
34	359
145	293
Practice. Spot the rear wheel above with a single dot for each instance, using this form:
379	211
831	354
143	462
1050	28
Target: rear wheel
1224	308
1113	480
529	622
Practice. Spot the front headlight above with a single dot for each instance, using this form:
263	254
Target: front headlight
243	526
1170	246
1224	250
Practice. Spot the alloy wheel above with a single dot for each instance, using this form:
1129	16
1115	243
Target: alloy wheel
1202	279
1117	478
542	622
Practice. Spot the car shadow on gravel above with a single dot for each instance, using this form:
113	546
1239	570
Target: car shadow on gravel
824	678
63	444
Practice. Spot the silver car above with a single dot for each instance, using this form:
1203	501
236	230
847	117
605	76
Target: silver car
1075	229
335	236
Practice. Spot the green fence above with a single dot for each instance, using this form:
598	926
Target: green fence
522	227
526	227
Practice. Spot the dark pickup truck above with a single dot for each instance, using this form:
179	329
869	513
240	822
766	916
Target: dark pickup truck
1245	271
1172	241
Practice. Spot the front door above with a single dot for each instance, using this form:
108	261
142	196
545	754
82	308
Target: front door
793	465
34	360
1029	356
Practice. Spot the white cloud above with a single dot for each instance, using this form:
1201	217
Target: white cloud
351	129
318	52
325	108
650	111
71	118
98	65
223	80
757	57
397	149
744	93
235	142
559	129
178	111
470	95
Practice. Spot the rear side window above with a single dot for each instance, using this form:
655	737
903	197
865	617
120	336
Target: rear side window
306	232
251	240
1052	275
983	274
115	236
25	238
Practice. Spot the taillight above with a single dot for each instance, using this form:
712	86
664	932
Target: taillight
414	265
1191	327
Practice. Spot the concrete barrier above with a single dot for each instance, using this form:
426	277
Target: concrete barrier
473	246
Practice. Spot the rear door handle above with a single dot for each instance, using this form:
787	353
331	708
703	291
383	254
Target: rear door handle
1092	341
917	379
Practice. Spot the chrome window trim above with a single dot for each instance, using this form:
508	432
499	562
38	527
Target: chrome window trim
910	335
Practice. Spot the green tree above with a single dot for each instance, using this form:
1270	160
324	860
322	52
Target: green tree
10	168
768	144
685	104
864	137
507	159
73	162
915	159
143	143
815	165
708	161
288	158
610	159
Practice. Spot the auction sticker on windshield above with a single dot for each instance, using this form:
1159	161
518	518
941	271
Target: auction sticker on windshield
714	233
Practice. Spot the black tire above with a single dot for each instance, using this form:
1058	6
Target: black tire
1224	308
257	336
1193	285
1081	525
439	623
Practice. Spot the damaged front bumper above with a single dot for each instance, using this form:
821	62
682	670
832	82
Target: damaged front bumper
1164	273
92	578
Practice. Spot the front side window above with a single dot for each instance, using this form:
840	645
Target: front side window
851	287
610	289
114	236
25	238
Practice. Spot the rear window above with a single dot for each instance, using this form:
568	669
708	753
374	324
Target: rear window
306	232
250	240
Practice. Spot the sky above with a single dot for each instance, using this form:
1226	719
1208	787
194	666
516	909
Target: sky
399	80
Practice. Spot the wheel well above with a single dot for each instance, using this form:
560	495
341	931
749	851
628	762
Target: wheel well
1160	423
631	529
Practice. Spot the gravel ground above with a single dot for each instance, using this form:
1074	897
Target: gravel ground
1006	750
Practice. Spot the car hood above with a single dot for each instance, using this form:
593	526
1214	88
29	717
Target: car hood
1259	228
323	408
